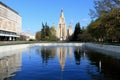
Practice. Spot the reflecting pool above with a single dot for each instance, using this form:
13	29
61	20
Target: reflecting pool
58	63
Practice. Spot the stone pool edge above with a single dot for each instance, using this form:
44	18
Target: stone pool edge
106	49
21	46
111	50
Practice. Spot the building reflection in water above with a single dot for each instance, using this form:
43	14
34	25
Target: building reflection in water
10	64
70	53
48	53
61	52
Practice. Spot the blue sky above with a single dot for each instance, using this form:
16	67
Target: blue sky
34	12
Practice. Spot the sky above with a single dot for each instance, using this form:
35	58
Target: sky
34	12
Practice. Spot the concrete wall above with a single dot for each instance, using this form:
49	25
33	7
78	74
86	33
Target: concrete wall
105	49
58	44
12	49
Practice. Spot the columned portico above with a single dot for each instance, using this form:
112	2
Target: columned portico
8	36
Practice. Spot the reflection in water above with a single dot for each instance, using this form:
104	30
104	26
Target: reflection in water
70	53
92	65
50	53
9	65
77	54
107	65
46	53
100	66
62	51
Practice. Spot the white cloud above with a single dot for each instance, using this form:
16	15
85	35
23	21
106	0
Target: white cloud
85	20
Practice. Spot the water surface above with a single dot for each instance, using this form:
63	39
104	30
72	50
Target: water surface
58	63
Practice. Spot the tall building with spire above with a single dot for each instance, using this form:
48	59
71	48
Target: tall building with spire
62	32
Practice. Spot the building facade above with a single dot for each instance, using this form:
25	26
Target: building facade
27	36
10	23
62	32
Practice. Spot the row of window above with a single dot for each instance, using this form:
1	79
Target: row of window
6	32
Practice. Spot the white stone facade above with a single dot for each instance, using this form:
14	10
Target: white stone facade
69	31
10	21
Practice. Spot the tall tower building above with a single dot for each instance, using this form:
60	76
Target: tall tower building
62	32
69	31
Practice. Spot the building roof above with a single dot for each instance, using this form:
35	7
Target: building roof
8	7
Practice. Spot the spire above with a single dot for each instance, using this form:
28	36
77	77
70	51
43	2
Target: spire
62	14
70	25
62	19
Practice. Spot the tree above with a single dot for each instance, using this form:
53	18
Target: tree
106	27
53	33
48	33
112	23
85	36
45	32
38	35
23	37
77	31
97	29
102	7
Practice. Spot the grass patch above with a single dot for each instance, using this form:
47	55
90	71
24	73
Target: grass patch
3	43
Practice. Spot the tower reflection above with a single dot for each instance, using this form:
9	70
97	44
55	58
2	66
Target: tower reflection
70	53
61	52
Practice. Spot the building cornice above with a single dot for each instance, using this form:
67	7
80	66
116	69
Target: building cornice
8	7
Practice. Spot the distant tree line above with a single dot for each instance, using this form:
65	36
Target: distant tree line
46	33
80	34
49	34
